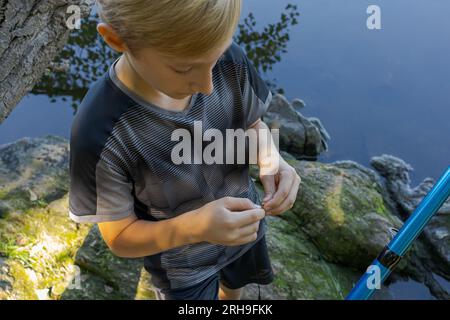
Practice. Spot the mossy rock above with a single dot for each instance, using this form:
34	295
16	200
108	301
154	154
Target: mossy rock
45	255
341	208
318	249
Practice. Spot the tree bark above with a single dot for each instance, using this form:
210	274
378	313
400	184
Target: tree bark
32	32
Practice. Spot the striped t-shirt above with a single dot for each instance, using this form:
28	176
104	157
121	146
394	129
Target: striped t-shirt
120	162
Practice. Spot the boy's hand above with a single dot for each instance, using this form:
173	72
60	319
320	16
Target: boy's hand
280	189
228	221
280	180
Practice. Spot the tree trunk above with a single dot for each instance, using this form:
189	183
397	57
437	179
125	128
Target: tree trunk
32	32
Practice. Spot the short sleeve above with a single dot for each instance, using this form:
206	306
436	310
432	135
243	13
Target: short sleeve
99	191
256	94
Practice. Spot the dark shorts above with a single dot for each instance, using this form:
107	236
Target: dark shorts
252	267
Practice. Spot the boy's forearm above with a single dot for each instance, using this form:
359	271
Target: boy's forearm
143	238
268	156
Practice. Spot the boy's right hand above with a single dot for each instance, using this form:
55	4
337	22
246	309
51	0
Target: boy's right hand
228	221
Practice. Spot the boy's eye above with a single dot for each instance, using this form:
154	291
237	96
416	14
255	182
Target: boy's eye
182	72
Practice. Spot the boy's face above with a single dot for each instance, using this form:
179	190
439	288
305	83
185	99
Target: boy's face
177	78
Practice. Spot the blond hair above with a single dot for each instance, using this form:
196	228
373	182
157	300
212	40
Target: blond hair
177	28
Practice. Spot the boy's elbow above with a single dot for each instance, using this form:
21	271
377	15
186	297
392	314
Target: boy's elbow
113	244
111	232
117	249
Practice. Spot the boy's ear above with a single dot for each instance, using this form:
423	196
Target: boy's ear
111	37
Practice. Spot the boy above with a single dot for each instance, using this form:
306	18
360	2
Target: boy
200	227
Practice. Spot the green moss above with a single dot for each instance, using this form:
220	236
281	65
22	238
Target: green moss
23	286
18	199
65	257
145	288
3	194
42	239
40	203
359	201
300	270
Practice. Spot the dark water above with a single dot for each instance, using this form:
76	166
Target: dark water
375	91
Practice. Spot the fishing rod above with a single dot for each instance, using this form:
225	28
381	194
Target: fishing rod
393	252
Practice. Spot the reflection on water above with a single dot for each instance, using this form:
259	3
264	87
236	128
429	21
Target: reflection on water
86	56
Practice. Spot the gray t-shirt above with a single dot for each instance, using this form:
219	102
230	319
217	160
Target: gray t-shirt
120	162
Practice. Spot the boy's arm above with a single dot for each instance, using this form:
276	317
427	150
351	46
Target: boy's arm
228	221
280	181
269	158
134	238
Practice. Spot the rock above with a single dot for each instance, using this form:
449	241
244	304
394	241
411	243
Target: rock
6	281
396	171
298	104
33	196
46	253
325	135
301	271
33	172
437	231
54	246
339	223
304	138
344	209
4	208
341	208
43	294
109	277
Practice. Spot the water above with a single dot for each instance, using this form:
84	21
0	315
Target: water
375	91
409	290
413	290
36	116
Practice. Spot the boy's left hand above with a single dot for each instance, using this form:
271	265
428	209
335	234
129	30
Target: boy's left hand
280	190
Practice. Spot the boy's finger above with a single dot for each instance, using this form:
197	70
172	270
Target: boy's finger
247	239
286	183
238	204
247	217
268	183
249	229
287	203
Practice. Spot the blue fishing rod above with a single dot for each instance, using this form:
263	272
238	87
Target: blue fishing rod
392	253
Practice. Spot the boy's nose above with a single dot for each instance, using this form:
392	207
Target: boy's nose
205	85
